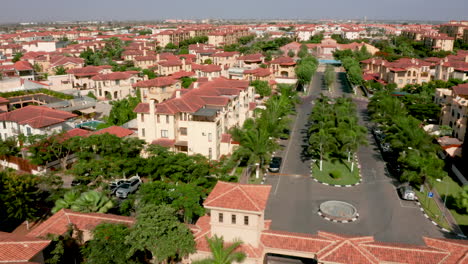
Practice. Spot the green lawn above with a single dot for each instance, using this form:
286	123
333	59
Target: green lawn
432	210
342	166
453	190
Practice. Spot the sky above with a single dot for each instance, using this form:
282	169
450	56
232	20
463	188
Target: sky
71	10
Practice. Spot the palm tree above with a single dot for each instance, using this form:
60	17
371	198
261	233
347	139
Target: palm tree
255	144
222	254
92	202
351	140
66	202
322	143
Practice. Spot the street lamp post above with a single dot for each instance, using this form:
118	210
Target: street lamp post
446	194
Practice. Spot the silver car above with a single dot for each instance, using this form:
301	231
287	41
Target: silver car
128	187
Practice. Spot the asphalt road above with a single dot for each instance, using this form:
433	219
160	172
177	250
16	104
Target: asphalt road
295	197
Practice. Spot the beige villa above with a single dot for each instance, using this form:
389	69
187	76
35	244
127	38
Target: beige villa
197	120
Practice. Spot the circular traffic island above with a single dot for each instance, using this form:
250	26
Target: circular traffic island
338	211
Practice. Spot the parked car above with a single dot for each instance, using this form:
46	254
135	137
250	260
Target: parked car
78	182
128	187
407	193
113	186
275	164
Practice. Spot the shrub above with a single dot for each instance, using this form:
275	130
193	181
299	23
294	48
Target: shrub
335	174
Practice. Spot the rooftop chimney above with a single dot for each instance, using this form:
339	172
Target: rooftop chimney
177	94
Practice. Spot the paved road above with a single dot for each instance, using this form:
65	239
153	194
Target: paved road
295	197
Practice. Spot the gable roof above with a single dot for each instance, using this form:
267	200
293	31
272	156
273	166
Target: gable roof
16	248
59	222
245	197
36	116
156	82
115	130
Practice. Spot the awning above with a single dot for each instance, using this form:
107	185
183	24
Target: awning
206	112
88	110
181	143
164	142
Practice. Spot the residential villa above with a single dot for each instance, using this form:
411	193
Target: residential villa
115	85
34	120
283	67
158	89
454	103
452	65
197	120
401	72
80	78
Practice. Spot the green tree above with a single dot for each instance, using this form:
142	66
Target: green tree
208	61
158	231
171	46
19	196
316	38
222	254
291	53
60	70
303	51
187	81
108	245
261	87
17	56
329	76
322	143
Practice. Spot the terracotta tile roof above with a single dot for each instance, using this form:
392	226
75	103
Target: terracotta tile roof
156	82
23	66
164	142
3	100
294	241
461	89
16	248
458	249
142	108
206	68
225	54
113	76
259	72
180	74
59	222
191	100
115	130
62	60
215	100
146	58
251	57
283	61
36	116
86	71
246	197
170	63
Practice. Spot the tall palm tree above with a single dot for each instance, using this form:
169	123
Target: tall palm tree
92	202
255	144
222	254
321	144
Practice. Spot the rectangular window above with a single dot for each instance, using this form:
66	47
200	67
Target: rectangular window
233	219
143	132
157	117
117	82
4	125
167	119
28	131
220	217
183	131
246	220
164	133
210	153
210	137
142	118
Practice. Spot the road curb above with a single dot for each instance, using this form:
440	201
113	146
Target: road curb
358	164
434	223
338	221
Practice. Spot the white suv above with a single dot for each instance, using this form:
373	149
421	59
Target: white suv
130	186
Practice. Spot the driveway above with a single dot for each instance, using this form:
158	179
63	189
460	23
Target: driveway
295	197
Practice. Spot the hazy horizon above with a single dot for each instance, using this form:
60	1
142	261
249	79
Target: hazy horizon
104	10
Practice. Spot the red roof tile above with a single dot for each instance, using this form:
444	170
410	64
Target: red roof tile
294	241
59	222
142	108
16	248
239	196
461	89
23	66
164	142
3	100
115	130
36	116
156	82
113	76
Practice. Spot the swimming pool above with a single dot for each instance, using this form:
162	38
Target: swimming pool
90	125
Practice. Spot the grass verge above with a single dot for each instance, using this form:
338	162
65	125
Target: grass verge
342	167
432	210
